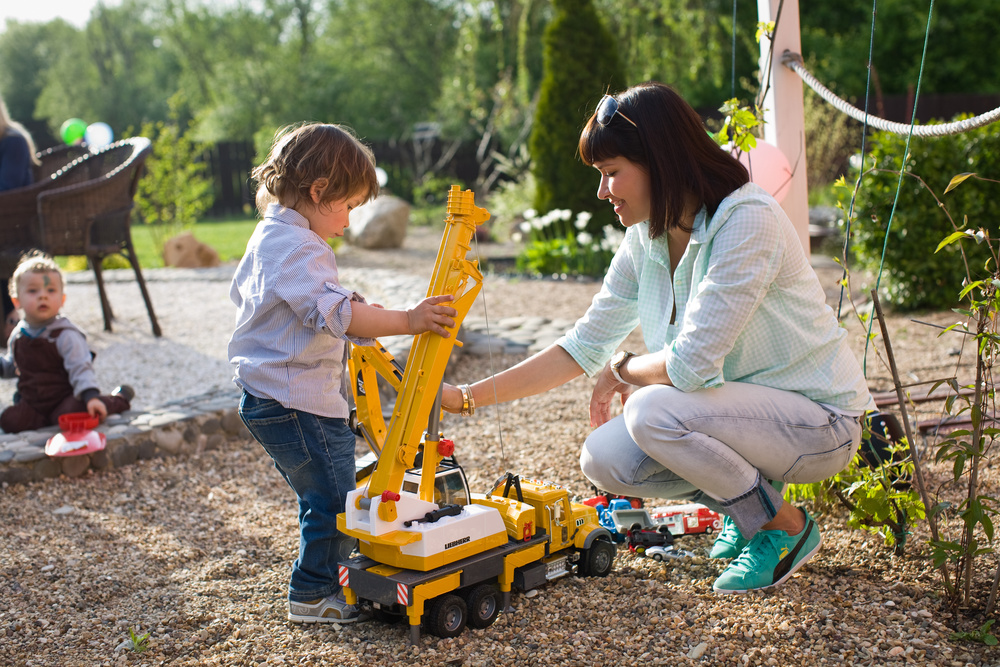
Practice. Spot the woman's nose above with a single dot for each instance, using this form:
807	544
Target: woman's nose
603	191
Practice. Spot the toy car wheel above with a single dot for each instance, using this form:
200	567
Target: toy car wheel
663	529
657	556
447	616
598	559
483	604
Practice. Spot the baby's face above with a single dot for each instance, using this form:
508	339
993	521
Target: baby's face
40	295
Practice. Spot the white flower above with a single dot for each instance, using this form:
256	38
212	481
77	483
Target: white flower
583	238
582	218
529	214
563	214
516	236
525	227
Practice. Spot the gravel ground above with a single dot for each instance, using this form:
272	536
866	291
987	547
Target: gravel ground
196	551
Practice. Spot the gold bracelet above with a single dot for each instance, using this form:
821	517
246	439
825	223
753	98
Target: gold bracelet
468	403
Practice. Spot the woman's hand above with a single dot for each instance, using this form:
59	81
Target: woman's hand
604	392
451	399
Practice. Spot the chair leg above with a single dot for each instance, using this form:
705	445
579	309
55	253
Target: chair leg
95	264
134	261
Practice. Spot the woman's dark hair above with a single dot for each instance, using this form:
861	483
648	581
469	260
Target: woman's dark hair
670	141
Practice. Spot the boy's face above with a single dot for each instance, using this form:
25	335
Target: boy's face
40	295
330	219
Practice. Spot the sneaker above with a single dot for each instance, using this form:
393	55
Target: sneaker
331	609
730	541
771	557
124	391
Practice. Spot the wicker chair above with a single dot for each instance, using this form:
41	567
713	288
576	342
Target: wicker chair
89	212
54	159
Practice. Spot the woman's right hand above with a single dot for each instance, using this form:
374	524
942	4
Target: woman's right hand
451	399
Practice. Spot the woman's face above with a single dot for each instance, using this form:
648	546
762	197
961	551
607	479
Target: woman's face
626	185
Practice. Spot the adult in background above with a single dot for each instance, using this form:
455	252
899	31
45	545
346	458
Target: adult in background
17	157
748	381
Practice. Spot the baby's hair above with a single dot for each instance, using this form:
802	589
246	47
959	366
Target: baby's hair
304	154
33	261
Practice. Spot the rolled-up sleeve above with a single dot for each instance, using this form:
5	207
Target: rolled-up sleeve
613	315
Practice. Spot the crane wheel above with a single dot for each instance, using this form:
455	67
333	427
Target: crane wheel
483	604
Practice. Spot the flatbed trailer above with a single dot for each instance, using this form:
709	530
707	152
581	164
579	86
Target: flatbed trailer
479	586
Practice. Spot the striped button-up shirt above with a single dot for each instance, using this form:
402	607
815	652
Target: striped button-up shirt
292	315
749	308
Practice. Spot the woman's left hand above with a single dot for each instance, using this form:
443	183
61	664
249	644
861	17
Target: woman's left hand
604	393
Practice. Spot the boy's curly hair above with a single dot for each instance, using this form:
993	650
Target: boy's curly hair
33	261
304	154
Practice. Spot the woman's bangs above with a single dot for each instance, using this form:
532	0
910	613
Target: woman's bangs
597	143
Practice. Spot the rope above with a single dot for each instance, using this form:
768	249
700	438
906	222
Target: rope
793	61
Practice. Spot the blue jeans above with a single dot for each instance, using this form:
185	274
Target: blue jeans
719	447
315	455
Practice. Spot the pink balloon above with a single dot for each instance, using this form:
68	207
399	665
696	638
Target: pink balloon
769	168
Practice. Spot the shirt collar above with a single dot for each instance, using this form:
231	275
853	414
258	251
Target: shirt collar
286	216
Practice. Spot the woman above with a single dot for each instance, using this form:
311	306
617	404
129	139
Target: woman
17	158
748	382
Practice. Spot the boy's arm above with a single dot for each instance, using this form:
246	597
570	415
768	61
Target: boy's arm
369	321
77	360
7	367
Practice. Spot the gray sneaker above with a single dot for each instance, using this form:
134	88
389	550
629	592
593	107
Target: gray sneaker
332	609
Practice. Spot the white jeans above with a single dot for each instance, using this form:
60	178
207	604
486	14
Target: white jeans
719	447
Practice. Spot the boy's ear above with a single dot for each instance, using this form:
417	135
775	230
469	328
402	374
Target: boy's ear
317	188
16	301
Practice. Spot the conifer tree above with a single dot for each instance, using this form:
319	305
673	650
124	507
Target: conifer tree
581	63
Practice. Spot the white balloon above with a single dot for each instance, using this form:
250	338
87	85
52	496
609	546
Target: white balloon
98	135
769	168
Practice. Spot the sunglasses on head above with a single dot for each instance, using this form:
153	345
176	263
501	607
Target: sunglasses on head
606	110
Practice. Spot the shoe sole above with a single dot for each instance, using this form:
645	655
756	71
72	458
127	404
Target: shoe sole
308	620
779	582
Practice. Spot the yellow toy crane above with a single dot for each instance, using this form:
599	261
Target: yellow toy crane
431	550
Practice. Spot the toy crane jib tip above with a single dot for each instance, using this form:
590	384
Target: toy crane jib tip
432	551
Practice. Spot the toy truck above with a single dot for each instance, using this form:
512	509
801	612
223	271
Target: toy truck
431	551
687	519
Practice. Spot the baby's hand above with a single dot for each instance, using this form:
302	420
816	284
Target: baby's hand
96	408
428	316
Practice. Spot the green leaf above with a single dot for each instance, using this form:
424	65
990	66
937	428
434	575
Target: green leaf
958	180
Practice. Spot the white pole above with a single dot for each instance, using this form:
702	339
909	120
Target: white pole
784	117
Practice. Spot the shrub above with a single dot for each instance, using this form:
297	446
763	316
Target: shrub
580	63
914	276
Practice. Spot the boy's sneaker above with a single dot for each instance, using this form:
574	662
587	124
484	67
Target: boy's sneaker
331	609
771	557
730	541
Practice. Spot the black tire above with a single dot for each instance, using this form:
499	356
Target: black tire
709	531
663	529
483	604
447	616
598	560
658	557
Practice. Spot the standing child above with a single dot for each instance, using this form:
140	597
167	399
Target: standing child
49	355
289	347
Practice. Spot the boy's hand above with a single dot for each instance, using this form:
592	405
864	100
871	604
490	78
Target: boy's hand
96	408
428	316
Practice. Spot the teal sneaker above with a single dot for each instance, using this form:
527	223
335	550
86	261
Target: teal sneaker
730	541
771	557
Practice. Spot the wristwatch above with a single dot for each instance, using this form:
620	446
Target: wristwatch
616	364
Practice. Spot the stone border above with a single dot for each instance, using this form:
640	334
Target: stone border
180	428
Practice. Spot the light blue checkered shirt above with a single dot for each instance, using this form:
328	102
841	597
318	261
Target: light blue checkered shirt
749	308
292	314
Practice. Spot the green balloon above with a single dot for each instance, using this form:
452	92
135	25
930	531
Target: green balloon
73	130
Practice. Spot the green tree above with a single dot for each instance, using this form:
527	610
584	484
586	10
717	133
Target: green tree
174	193
581	63
687	45
835	39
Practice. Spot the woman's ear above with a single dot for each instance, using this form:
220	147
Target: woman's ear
317	189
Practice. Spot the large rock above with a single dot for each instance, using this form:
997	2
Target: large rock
379	224
185	251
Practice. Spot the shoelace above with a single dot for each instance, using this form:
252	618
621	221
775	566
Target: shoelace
754	555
